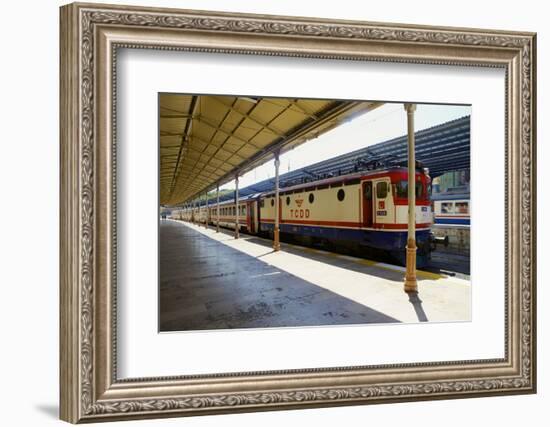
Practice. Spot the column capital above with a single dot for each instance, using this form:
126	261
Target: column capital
409	107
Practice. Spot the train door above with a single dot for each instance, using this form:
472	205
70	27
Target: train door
251	217
383	203
367	203
258	212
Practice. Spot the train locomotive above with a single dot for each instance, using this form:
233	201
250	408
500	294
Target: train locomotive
366	212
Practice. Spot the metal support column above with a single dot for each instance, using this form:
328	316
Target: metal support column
410	275
217	208
236	206
276	242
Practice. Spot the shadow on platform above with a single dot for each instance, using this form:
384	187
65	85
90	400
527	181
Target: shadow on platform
205	284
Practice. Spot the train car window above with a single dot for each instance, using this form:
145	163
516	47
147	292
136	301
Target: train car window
402	189
336	185
447	207
262	203
272	202
341	194
382	190
461	207
311	198
368	192
287	200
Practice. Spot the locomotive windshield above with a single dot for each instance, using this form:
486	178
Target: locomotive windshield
402	189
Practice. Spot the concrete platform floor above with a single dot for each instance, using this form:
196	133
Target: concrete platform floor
210	280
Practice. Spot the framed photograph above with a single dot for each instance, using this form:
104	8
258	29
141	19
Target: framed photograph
267	212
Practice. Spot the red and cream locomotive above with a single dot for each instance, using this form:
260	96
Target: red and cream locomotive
365	211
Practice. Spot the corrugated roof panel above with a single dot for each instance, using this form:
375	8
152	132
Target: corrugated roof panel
206	139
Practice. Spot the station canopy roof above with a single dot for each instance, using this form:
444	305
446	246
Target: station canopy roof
206	140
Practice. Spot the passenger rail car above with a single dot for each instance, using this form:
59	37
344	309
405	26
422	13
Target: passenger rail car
366	212
228	213
452	218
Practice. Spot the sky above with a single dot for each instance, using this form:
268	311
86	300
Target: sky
384	123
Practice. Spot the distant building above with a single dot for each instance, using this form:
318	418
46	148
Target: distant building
450	180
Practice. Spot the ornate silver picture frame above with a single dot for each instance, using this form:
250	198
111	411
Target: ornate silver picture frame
91	35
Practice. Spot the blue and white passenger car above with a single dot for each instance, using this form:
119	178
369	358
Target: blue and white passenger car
452	217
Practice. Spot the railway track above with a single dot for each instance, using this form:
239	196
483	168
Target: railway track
450	262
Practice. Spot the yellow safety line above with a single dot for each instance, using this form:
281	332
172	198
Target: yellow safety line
371	263
430	275
421	273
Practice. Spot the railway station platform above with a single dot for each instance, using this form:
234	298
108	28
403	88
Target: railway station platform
211	280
